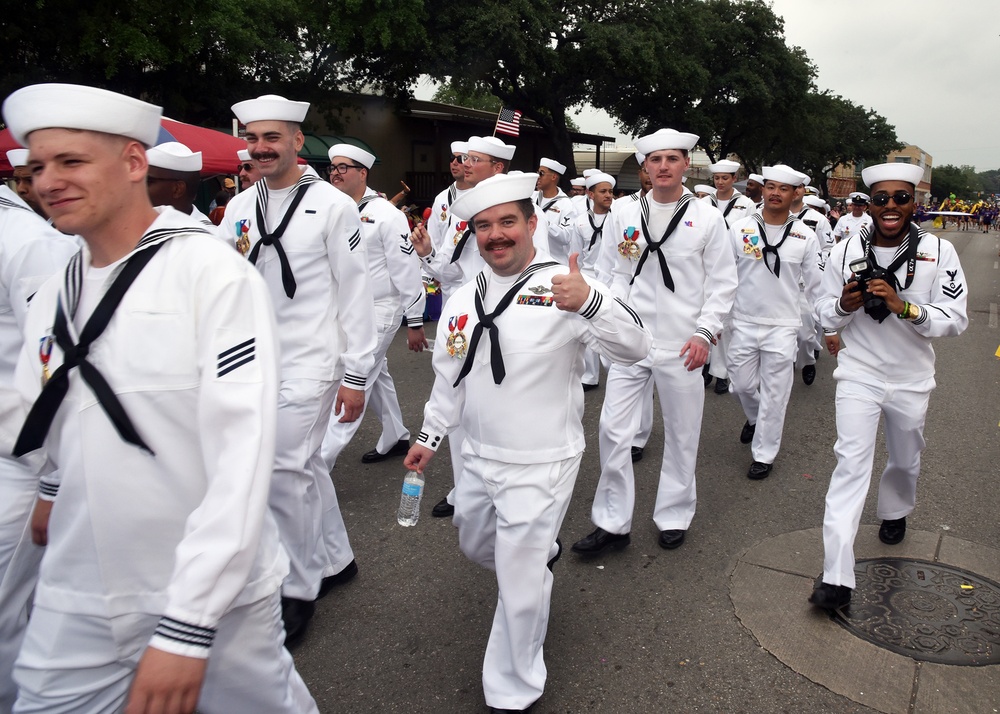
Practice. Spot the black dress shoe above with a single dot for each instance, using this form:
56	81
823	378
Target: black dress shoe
830	597
331	581
721	386
443	509
759	470
590	387
400	448
746	436
599	540
295	614
637	453
555	558
809	373
892	532
671	539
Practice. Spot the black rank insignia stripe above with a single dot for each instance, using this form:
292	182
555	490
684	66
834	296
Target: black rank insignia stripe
235	357
953	290
354	240
406	246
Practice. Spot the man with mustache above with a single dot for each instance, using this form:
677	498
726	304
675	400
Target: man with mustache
304	236
886	368
675	269
516	482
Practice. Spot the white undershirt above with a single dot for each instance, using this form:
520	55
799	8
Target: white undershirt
95	284
275	201
659	218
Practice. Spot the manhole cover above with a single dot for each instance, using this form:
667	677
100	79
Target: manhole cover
926	611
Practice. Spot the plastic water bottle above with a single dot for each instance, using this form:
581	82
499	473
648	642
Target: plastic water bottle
409	500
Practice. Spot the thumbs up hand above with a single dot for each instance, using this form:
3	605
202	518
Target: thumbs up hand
570	291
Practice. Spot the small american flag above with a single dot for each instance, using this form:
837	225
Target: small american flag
509	122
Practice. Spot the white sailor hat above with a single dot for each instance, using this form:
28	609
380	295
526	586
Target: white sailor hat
910	173
666	139
812	191
578	181
756	177
459	147
587	173
502	188
553	165
783	174
858	196
705	188
243	155
74	106
174	156
805	178
270	107
17	157
491	146
352	152
725	166
600	177
640	157
814	201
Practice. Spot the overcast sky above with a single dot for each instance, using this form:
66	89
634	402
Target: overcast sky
930	67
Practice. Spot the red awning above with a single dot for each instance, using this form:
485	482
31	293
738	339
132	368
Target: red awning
218	149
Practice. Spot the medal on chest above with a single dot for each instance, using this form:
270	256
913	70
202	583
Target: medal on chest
628	248
243	236
459	232
457	343
751	247
44	354
444	213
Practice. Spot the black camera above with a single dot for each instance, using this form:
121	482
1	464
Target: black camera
864	273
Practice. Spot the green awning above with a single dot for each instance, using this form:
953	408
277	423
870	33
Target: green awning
317	147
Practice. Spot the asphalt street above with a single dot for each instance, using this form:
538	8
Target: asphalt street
644	629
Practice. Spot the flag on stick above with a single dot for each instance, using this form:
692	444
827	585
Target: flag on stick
509	122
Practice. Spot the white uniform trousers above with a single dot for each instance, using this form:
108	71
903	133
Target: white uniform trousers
77	664
508	517
761	360
682	400
809	335
591	367
456	443
859	407
302	497
19	559
718	367
380	395
641	437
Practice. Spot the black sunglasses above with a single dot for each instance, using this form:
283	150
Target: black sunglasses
457	157
244	167
900	198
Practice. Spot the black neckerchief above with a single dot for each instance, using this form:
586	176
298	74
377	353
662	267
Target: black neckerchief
655	246
460	246
598	230
488	322
774	248
301	186
43	411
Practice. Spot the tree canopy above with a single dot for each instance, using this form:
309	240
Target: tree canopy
718	68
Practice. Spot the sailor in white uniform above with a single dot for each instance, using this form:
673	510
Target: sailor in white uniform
556	206
151	368
440	218
885	371
586	238
304	236
675	271
854	221
458	261
774	251
398	291
733	205
516	482
248	173
30	252
174	177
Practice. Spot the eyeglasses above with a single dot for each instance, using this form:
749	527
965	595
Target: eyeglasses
467	159
244	167
344	168
460	158
900	198
154	179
